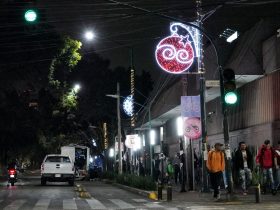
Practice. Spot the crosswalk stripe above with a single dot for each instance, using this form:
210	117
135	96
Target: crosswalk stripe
121	204
69	204
140	200
15	205
42	204
153	205
95	204
206	208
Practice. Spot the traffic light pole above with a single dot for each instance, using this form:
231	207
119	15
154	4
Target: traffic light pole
226	135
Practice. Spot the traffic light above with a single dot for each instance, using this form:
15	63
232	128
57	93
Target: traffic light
230	95
30	15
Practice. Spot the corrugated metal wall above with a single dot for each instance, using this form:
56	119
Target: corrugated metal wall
259	103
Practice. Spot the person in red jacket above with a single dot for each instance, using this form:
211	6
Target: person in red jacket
266	159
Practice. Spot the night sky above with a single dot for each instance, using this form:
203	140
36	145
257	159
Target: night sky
118	27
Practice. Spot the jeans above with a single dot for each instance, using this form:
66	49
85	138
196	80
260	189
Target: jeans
225	179
246	177
268	174
176	173
216	179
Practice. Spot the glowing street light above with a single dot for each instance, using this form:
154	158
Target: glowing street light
76	88
180	130
89	35
111	152
152	137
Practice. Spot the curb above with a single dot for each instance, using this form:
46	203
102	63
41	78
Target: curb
149	194
81	191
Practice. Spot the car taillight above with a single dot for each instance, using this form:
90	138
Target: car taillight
12	171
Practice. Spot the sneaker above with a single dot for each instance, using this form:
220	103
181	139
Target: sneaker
245	193
217	199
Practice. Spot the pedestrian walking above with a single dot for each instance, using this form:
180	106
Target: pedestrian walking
243	164
277	165
176	165
216	166
265	160
169	170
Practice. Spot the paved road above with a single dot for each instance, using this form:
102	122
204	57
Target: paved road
28	195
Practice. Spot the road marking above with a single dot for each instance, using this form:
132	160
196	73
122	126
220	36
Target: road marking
69	204
15	205
122	204
206	208
153	205
42	204
140	200
95	204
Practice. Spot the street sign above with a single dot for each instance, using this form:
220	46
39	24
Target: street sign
133	141
212	83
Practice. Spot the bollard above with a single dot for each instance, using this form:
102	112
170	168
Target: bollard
169	192
159	191
258	193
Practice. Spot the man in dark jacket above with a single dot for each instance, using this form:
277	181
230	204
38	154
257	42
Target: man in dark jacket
244	165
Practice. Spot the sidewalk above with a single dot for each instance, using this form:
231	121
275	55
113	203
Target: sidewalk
198	197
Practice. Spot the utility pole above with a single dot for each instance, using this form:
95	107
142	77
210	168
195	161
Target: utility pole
201	71
119	128
151	146
226	135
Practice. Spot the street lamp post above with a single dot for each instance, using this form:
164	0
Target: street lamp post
151	142
119	125
119	128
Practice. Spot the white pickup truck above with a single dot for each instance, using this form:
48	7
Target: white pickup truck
57	168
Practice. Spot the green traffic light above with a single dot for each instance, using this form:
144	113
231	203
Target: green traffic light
231	98
30	15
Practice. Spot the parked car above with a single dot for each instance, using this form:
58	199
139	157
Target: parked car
57	168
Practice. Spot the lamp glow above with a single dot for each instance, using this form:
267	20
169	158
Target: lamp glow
89	35
180	130
152	137
77	87
111	152
232	37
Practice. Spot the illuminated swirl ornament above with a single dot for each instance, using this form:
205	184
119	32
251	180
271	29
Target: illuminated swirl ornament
128	105
175	54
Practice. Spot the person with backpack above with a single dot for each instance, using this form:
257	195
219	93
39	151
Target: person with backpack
243	164
216	165
265	160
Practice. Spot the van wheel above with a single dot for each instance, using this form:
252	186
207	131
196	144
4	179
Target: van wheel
71	182
43	182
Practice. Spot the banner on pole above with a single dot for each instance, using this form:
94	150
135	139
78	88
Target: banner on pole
191	115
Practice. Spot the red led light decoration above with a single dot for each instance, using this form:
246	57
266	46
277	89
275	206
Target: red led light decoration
175	54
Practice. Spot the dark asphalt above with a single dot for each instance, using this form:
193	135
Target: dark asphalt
28	194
